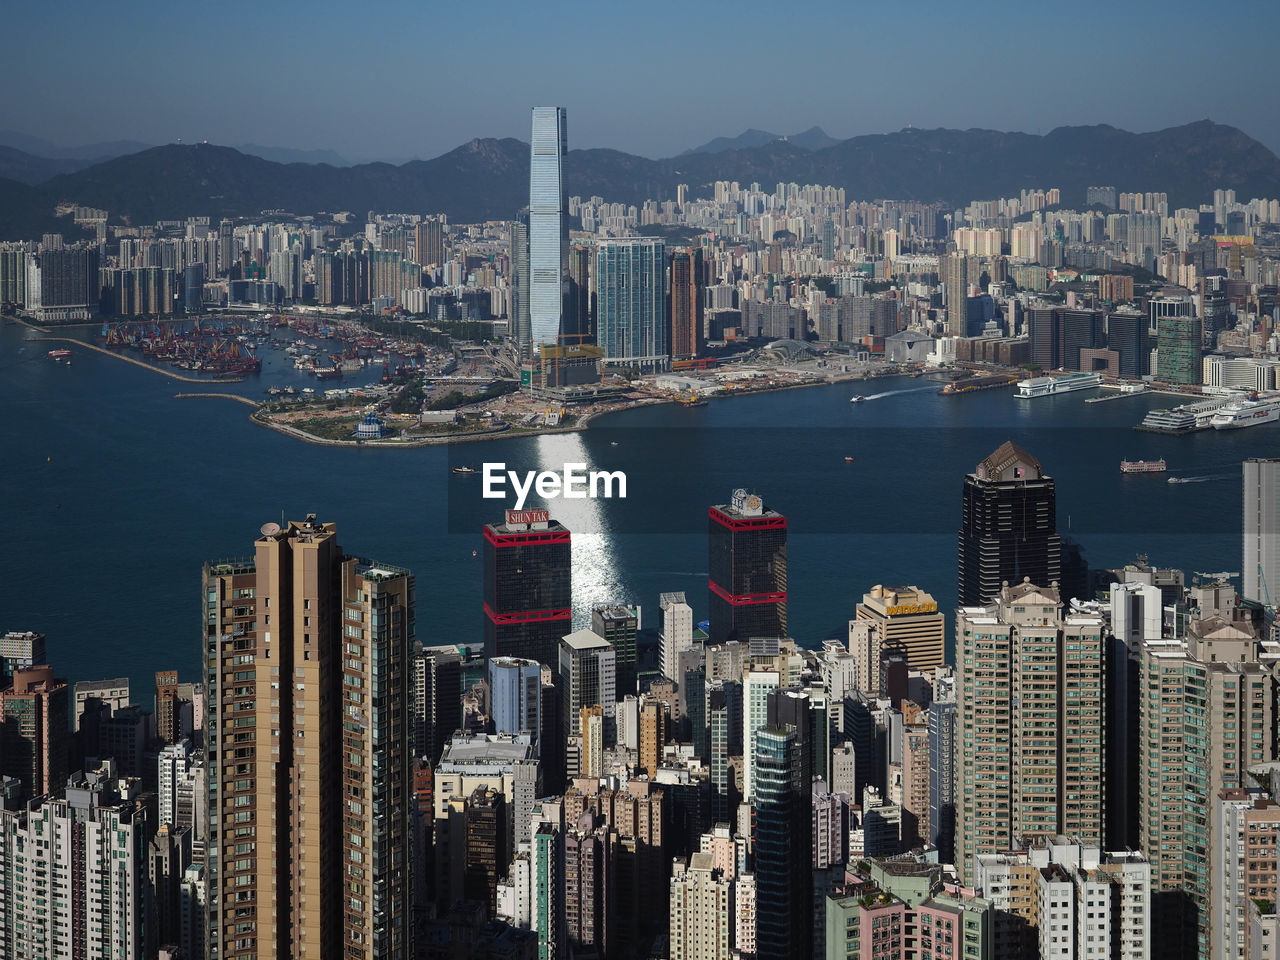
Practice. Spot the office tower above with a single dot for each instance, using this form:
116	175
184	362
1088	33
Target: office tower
953	271
675	632
1127	335
586	677
526	586
783	837
631	303
13	274
314	773
168	707
428	242
518	315
548	226
686	303
1260	576
756	687
1247	830
619	624
167	860
653	736
33	730
515	696
1044	331
828	240
75	872
701	910
1030	734
747	560
437	700
193	287
589	854
19	649
718	721
486	847
905	619
1008	526
1202	700
1080	330
942	798
1178	348
591	732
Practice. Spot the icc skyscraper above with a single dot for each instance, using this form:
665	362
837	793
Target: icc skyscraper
548	226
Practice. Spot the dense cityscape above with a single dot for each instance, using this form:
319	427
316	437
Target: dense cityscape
1077	761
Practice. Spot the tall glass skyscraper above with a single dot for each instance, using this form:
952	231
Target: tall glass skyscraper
631	302
548	228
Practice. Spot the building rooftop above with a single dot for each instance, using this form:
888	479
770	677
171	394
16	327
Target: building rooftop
584	640
1009	462
485	749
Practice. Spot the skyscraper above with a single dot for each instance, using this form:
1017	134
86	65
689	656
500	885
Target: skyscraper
168	706
618	624
18	649
33	730
428	242
515	696
526	586
905	619
631	302
747	562
701	908
518	318
1030	735
1261	573
1008	527
548	225
587	677
307	653
686	303
1178	347
953	270
1127	335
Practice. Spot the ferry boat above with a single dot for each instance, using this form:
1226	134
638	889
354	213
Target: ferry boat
59	354
1143	466
1048	386
1247	413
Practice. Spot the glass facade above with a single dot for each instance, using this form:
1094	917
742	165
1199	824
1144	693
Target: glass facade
747	563
548	228
631	303
526	592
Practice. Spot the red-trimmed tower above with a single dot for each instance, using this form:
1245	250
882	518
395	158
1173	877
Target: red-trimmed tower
748	567
526	586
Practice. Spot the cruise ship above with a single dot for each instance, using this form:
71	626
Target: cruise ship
1188	416
1047	386
1247	413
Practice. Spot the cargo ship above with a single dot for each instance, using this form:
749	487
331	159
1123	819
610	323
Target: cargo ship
1048	386
1143	466
1247	413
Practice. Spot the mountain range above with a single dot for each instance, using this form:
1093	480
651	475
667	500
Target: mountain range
488	178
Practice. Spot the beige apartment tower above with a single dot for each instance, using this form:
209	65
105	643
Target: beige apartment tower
1030	738
905	618
307	654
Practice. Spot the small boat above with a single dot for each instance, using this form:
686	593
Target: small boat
848	459
59	354
858	399
464	471
1175	479
473	553
613	443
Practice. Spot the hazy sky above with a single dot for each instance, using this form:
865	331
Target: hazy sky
401	78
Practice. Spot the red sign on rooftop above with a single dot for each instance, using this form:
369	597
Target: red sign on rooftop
527	516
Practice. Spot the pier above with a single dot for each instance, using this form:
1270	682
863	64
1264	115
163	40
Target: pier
220	396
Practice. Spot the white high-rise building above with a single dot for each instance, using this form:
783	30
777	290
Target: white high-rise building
1261	573
76	874
548	227
676	633
755	715
701	908
177	764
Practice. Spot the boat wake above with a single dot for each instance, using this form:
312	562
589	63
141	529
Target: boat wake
894	393
1205	479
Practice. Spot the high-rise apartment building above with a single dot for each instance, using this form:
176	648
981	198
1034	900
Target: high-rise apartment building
686	303
548	226
33	730
526	586
307	656
747	558
942	797
701	910
653	736
675	632
1008	526
168	707
953	271
590	850
631	303
428	242
1261	572
1030	733
19	649
436	679
1246	870
75	874
905	619
757	686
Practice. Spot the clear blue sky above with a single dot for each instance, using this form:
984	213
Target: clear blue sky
405	78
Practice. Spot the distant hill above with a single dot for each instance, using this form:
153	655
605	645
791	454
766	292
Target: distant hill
290	155
26	168
815	138
489	179
91	152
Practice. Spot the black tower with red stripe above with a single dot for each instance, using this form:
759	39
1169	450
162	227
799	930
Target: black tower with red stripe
747	560
526	586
